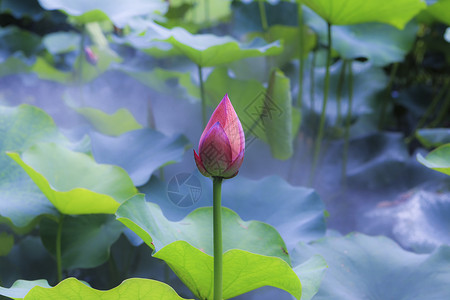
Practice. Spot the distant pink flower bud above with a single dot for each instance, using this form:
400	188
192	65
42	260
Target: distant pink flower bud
91	57
222	144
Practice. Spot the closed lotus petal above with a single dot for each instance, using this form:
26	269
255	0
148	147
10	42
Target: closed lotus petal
228	119
215	150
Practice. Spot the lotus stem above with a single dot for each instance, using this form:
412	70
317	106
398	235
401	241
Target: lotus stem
301	64
311	79
319	138
443	112
80	64
217	228
58	248
202	96
263	15
348	121
339	91
386	101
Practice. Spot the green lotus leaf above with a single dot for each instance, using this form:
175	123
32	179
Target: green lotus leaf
440	11
21	202
110	124
347	12
433	137
73	182
438	159
71	288
360	266
85	239
191	238
62	42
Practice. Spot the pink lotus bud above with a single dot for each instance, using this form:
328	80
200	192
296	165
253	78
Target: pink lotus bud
91	57
222	144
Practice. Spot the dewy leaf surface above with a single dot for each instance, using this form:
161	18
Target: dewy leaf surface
347	12
20	127
74	182
71	288
187	247
364	267
126	151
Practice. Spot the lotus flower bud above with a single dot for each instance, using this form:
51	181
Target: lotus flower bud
91	57
222	144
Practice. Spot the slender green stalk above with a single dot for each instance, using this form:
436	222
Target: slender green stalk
301	63
207	11
348	121
443	112
217	227
319	138
263	15
202	95
385	102
80	65
311	79
152	124
58	248
339	91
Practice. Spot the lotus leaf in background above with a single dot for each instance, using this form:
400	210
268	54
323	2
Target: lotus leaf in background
135	288
437	11
61	42
380	43
360	266
21	202
116	11
248	246
86	240
115	124
126	151
418	219
433	137
348	12
438	159
297	213
205	50
74	182
22	9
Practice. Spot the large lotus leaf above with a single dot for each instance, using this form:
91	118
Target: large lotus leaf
14	65
347	12
27	259
189	241
20	200
419	219
433	137
311	273
381	44
20	288
139	152
147	220
21	9
71	288
203	12
119	12
45	70
438	159
206	50
277	116
62	42
85	240
242	271
14	39
74	182
364	267
440	10
297	213
115	124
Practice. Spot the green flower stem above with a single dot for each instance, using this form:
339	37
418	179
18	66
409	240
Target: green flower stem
339	91
80	64
263	15
202	95
311	79
385	102
319	138
152	124
58	248
348	121
443	112
301	64
217	227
